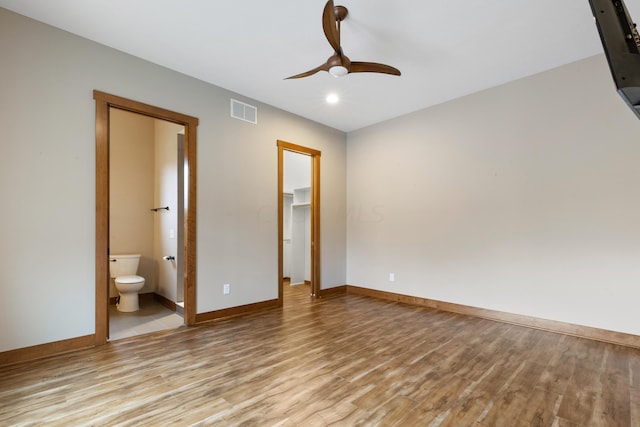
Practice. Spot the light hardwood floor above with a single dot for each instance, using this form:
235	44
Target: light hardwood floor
341	360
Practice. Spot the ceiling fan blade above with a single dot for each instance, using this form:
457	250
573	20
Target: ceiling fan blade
339	64
323	67
329	26
372	67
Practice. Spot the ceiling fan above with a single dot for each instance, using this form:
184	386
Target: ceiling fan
339	64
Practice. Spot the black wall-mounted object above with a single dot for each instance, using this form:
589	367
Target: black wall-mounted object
621	44
166	208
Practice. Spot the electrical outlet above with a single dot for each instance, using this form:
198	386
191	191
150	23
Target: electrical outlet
392	277
226	289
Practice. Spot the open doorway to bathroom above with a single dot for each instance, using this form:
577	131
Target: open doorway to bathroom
298	222
146	186
126	216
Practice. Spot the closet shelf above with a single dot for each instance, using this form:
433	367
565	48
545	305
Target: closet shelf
297	205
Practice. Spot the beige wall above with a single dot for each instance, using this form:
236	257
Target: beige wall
523	198
143	175
131	191
47	167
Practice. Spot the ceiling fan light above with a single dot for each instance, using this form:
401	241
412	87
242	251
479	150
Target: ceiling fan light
338	71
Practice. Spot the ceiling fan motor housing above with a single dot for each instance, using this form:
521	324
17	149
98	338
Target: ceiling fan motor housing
341	12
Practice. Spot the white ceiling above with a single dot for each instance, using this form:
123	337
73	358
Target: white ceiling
445	48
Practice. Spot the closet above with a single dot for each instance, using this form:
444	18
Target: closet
296	216
300	267
287	201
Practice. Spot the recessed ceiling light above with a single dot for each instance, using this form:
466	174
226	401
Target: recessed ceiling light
332	98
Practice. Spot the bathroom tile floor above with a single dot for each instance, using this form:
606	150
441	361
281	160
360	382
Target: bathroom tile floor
151	317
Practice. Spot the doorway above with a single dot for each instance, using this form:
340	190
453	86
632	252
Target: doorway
145	198
308	200
104	105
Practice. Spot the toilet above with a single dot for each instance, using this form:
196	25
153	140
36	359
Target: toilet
123	269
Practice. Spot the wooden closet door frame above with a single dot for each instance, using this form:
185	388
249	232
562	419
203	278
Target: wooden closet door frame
104	102
315	215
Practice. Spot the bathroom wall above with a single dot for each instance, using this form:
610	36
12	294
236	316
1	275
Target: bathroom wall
143	166
132	167
47	181
166	227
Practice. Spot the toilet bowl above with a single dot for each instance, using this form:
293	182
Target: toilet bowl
123	269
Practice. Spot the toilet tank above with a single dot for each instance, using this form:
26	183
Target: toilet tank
123	265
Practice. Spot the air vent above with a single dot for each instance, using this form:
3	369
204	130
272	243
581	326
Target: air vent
245	112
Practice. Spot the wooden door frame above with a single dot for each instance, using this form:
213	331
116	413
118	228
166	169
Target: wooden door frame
104	102
315	215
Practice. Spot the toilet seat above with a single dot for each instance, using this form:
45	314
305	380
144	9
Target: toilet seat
129	280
